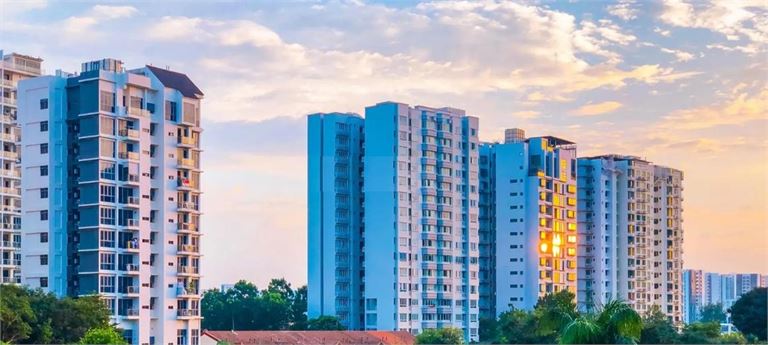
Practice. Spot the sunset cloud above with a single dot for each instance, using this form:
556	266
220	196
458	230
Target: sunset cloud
598	108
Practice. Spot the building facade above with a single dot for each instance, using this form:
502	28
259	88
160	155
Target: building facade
112	194
13	68
529	228
335	228
630	223
421	219
713	288
693	296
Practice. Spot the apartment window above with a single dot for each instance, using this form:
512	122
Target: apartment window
107	284
43	282
107	261
43	170
43	237
181	337
43	193
107	193
107	170
107	216
43	126
44	103
44	215
107	238
195	337
44	260
44	148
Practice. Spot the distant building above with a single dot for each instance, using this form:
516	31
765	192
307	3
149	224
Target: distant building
747	282
227	287
693	294
307	337
13	68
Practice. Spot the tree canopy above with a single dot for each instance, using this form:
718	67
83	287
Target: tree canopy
103	335
749	313
448	335
712	313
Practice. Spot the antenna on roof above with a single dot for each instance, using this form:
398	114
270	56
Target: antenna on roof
168	67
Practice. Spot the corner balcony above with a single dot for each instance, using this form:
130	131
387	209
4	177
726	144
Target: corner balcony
12	209
129	133
187	313
188	142
187	270
133	179
9	155
10	191
10	137
11	245
187	292
131	269
10	173
187	228
10	280
188	163
132	246
137	112
187	184
131	224
188	249
188	206
134	156
132	314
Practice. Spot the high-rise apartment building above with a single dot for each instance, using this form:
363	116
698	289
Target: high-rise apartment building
421	218
713	291
393	218
13	68
630	223
693	295
528	225
335	228
112	194
745	282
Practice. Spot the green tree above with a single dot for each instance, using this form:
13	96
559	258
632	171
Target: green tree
712	313
616	323
517	327
72	317
657	328
488	330
750	315
103	335
325	323
448	335
16	315
299	309
733	338
701	333
553	312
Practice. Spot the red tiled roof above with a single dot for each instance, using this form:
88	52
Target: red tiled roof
312	337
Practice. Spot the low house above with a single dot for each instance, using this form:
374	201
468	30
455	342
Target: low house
307	337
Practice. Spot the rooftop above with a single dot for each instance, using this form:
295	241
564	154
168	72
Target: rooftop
178	81
312	337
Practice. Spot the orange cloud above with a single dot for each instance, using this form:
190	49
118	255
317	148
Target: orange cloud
598	108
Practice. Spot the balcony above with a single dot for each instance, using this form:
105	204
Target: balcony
9	155
188	206
188	249
129	133
188	183
136	111
9	190
130	290
187	141
187	270
187	313
132	200
7	119
188	163
9	101
132	313
12	209
131	223
22	68
187	228
128	155
131	268
132	246
10	137
132	179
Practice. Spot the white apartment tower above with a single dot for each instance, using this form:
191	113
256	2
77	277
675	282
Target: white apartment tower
421	219
13	68
629	222
528	225
112	194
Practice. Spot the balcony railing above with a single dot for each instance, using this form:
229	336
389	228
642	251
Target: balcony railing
9	101
132	312
10	173
188	312
128	132
9	155
132	200
188	205
132	268
19	67
187	141
132	245
187	227
188	162
187	182
11	244
188	248
188	269
128	155
10	137
138	111
132	222
131	289
10	190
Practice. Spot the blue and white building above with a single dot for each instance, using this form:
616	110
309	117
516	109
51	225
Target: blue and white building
111	190
528	225
630	223
335	218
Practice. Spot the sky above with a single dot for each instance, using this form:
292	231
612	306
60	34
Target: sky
679	83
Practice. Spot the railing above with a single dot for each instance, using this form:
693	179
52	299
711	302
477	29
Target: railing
8	100
7	119
132	312
138	111
10	190
187	182
7	83
187	227
188	312
10	173
133	178
132	267
188	248
133	200
188	162
188	269
128	155
11	244
188	205
18	67
132	245
131	222
131	289
127	132
10	137
9	155
187	141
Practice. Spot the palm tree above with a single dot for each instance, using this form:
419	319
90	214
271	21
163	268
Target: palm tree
615	323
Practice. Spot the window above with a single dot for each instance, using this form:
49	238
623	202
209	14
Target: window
181	337
107	261
107	238
43	237
44	103
44	148
43	170
107	216
43	193
44	260
195	337
107	283
107	170
43	282
43	126
107	193
44	215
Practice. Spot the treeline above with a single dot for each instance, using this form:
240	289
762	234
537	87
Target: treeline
245	307
34	317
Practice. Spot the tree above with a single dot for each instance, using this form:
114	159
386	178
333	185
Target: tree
733	338
103	335
448	335
712	313
16	315
750	315
657	328
325	323
701	333
616	323
553	312
488	330
299	309
517	327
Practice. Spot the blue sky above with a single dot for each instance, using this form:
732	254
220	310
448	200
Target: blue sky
679	83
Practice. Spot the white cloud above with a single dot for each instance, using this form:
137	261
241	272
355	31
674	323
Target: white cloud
681	56
624	10
662	32
592	109
96	15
